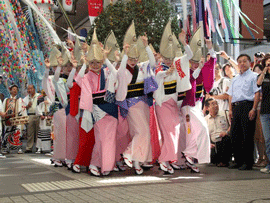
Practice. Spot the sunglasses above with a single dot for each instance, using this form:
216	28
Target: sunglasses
268	65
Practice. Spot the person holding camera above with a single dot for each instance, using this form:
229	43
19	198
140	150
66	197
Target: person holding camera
264	82
258	57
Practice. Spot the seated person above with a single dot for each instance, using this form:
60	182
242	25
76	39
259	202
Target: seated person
219	128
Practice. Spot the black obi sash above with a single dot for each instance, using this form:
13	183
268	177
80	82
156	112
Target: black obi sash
181	96
135	89
170	87
199	90
98	98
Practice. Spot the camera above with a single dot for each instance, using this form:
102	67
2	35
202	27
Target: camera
259	55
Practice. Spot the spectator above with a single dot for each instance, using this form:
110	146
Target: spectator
228	71
13	107
258	57
243	102
232	62
258	68
2	114
44	133
218	125
258	135
221	86
264	81
32	128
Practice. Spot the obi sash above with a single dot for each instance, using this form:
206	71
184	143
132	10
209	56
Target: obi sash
170	87
181	96
199	90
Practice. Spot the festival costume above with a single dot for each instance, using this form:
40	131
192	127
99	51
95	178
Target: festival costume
131	96
122	134
44	133
56	90
98	113
86	140
197	134
167	95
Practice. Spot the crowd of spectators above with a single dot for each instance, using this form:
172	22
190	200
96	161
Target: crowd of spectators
238	113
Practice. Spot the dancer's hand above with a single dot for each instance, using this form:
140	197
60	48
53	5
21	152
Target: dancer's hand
126	48
47	63
144	38
182	37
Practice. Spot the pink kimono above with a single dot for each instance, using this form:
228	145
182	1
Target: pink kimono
100	115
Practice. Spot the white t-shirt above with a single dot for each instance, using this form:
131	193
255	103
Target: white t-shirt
220	87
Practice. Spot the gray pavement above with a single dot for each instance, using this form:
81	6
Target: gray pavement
31	178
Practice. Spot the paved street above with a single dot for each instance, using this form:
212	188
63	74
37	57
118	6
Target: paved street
31	178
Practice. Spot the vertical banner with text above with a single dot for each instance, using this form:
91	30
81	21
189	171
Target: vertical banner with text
95	7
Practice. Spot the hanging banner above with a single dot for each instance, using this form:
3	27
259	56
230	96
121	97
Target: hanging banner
95	7
67	5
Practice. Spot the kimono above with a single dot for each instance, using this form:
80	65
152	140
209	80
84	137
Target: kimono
44	133
11	138
86	139
197	134
56	90
134	96
100	115
72	119
167	111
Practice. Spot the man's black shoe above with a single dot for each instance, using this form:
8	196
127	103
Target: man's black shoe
233	166
245	167
28	151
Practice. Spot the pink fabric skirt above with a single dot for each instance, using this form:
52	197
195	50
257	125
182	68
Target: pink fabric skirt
138	120
103	155
72	137
59	144
122	137
169	123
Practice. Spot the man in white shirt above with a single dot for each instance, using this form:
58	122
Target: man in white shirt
2	114
243	102
33	126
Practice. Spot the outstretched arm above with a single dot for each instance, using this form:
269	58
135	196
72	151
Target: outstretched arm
150	54
182	38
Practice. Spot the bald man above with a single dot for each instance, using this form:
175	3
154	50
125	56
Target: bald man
33	126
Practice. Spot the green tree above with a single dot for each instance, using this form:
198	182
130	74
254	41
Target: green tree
150	16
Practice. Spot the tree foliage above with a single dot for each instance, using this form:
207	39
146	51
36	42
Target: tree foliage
149	16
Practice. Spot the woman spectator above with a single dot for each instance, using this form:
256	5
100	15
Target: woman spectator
228	71
258	135
264	81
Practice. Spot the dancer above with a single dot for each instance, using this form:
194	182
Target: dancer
201	77
133	100
169	75
97	112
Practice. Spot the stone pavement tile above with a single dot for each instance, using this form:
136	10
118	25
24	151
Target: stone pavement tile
18	199
95	196
71	197
31	198
56	197
5	200
43	197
